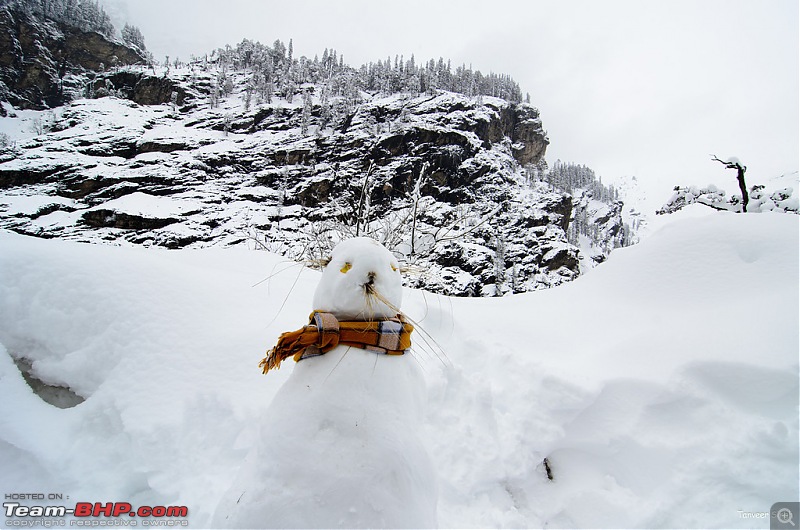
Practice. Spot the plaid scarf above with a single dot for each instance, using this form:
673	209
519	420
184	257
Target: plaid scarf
324	332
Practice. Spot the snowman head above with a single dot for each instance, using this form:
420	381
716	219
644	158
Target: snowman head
361	281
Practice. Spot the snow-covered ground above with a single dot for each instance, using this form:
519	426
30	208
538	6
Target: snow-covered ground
662	388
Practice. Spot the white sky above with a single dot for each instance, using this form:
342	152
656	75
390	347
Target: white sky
628	87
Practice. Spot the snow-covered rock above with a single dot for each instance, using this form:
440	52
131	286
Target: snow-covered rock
252	176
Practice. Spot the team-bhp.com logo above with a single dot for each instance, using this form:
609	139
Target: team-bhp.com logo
89	514
88	509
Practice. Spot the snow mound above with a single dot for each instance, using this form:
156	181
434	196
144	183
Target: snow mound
662	388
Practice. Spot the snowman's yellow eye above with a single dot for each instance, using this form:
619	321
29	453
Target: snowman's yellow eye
347	267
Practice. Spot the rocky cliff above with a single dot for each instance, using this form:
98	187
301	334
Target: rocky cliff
438	177
43	63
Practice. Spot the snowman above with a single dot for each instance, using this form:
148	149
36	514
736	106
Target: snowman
338	446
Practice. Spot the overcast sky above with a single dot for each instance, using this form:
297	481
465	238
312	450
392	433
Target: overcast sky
627	87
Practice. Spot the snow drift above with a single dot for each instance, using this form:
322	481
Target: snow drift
662	388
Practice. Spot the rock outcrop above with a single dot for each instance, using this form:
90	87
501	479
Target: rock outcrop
142	88
43	63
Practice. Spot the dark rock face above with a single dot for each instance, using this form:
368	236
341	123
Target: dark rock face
12	177
112	219
59	396
562	257
521	125
554	210
142	88
529	142
40	60
92	51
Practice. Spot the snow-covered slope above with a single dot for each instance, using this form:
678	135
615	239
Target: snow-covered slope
662	388
436	176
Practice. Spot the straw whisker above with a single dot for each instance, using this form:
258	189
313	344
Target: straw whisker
426	337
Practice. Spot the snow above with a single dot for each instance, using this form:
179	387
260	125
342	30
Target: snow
147	205
662	388
31	204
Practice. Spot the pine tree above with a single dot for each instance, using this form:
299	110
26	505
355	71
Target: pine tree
306	116
248	96
500	265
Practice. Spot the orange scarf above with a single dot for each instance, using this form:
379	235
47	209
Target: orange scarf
324	332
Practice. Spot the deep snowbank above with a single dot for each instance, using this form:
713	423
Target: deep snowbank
662	388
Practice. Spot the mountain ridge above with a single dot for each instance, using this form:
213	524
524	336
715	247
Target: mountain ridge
242	149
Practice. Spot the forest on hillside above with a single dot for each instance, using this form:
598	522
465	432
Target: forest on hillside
86	15
276	71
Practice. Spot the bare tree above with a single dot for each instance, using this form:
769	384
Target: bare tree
362	214
733	163
416	195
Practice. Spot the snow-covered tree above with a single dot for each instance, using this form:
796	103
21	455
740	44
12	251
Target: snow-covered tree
306	115
133	37
87	15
